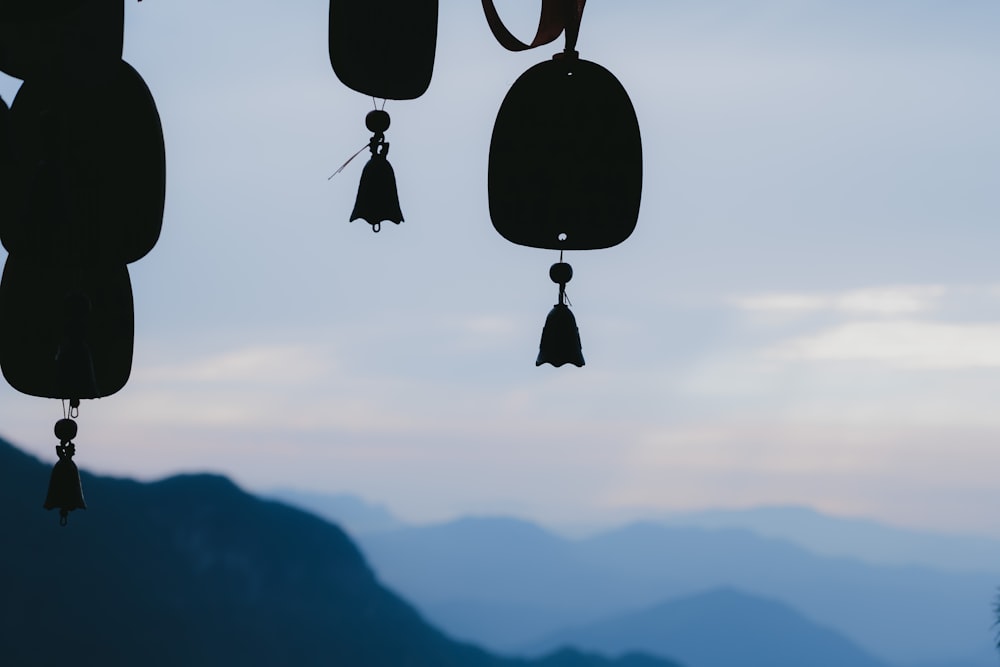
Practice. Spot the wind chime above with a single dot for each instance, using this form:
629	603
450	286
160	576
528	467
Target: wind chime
86	157
383	49
565	164
4	149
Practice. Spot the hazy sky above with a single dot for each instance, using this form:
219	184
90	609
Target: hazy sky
807	313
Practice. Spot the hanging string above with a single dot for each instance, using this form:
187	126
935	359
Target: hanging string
74	408
574	15
348	161
359	151
563	298
557	16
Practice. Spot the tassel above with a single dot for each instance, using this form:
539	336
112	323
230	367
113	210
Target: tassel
378	198
65	488
560	342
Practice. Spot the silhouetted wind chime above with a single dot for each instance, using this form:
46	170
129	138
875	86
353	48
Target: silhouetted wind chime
565	165
82	167
85	177
395	64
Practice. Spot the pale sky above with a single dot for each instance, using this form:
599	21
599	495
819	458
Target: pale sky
807	313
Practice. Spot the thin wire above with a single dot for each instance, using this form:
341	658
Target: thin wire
562	288
348	161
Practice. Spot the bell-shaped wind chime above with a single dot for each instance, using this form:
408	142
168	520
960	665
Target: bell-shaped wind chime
383	49
86	156
565	166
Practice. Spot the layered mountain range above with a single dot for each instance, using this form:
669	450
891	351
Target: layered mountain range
193	571
900	597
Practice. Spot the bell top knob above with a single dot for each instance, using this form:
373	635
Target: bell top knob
377	121
561	273
65	430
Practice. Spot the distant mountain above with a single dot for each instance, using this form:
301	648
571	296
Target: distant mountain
498	581
855	538
850	537
351	513
504	583
193	571
720	628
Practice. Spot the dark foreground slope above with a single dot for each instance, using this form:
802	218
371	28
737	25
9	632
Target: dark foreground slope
193	571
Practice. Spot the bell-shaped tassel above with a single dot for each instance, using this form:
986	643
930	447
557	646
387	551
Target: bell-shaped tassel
65	488
75	375
378	198
560	338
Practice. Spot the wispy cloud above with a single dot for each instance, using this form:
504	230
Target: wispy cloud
904	344
839	466
259	364
490	325
891	300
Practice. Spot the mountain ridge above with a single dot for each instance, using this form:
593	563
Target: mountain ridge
824	534
901	614
854	537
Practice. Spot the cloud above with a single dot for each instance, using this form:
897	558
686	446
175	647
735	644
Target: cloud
892	300
915	474
258	364
490	325
903	344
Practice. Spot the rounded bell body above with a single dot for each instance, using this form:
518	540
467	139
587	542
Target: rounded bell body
91	164
384	48
565	164
74	41
39	351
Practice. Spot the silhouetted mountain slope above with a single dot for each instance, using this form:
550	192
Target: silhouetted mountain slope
504	584
192	571
720	628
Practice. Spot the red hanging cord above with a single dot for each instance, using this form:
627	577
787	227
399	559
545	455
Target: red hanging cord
557	16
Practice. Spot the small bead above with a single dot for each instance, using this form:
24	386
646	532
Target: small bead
561	273
377	121
65	430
